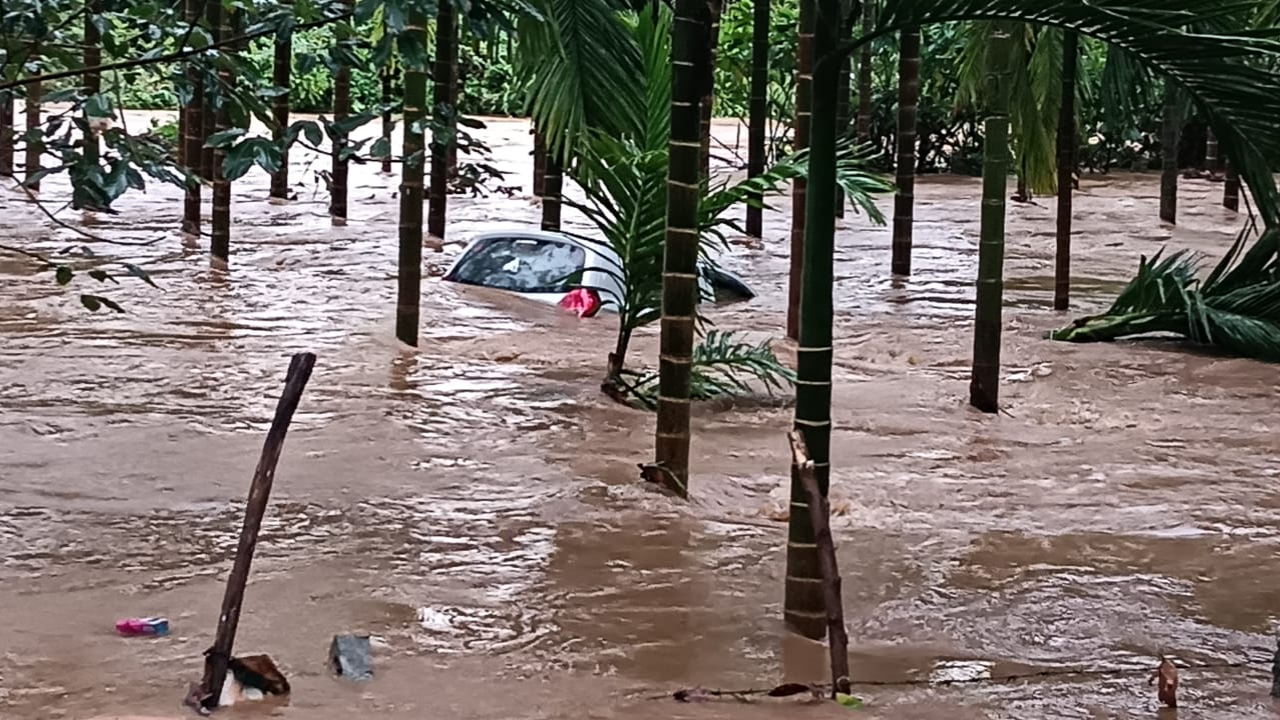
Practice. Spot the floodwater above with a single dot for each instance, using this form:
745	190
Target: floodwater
474	504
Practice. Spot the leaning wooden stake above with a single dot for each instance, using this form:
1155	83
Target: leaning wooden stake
218	657
820	516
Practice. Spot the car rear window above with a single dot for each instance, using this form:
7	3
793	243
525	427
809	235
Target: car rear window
531	265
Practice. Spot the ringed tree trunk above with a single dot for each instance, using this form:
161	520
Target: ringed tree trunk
799	186
759	109
35	148
281	68
1066	168
92	78
1212	164
865	87
213	18
1231	188
804	604
1170	130
388	97
709	92
220	234
984	385
193	137
842	98
6	134
691	28
409	282
904	200
552	187
341	171
539	162
443	118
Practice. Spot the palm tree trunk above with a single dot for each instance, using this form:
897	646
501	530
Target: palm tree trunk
35	148
1066	168
213	18
1212	164
552	186
759	111
984	386
388	97
443	113
6	135
799	187
409	285
1170	130
341	172
904	202
865	87
842	100
455	83
1231	188
220	220
803	603
539	162
690	32
92	78
193	137
709	96
281	69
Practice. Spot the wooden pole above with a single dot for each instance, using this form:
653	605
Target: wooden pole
218	657
820	516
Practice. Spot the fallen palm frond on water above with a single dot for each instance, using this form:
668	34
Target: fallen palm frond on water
1236	308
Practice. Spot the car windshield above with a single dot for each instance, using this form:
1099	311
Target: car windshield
531	265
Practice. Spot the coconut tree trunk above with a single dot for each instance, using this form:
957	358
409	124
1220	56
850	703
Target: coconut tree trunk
213	19
341	171
539	162
842	99
388	98
443	114
904	201
92	76
708	102
35	148
1066	168
6	135
281	68
1170	130
193	137
689	40
864	74
1212	164
409	285
552	187
220	233
455	83
799	187
803	604
758	123
1231	188
984	386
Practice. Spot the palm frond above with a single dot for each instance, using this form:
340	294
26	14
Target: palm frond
723	365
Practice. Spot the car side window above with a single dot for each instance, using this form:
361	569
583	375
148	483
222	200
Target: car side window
530	265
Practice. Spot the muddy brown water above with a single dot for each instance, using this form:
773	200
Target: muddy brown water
473	503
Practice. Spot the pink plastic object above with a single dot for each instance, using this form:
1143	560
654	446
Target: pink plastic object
133	627
583	302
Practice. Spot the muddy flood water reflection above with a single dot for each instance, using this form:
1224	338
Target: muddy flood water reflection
473	504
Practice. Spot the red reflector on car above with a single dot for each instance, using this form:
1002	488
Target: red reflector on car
583	302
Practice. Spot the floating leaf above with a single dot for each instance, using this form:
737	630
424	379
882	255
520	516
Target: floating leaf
139	273
63	274
849	701
91	302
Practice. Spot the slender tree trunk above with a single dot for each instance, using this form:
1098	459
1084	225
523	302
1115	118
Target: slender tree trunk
35	148
843	106
984	386
904	203
1170	131
709	95
7	132
865	87
281	70
552	187
193	137
759	111
1212	164
409	292
341	171
1066	168
539	162
213	18
455	83
799	187
690	36
804	604
220	221
1231	188
92	78
388	123
443	113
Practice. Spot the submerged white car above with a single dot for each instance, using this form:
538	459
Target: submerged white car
563	270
